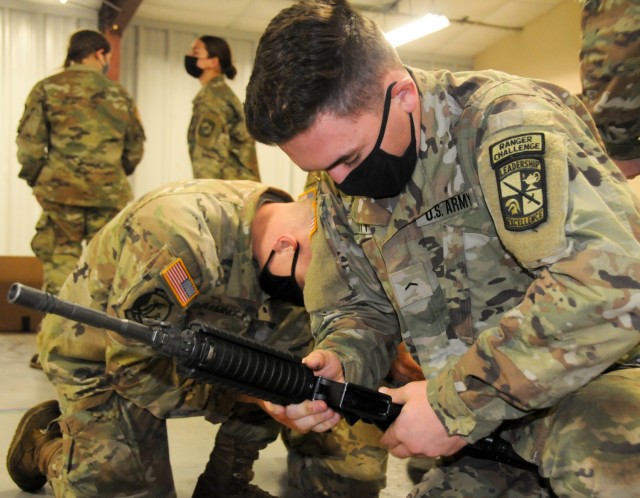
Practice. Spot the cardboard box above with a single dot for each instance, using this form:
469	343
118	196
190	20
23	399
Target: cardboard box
26	270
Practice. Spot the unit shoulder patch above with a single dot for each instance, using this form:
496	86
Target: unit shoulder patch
206	128
527	193
180	282
522	193
518	162
155	305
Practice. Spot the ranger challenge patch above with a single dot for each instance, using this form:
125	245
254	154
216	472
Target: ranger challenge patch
518	162
180	282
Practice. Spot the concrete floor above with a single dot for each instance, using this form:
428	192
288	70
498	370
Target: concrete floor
191	440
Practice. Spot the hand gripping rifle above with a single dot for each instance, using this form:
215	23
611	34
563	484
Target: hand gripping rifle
248	367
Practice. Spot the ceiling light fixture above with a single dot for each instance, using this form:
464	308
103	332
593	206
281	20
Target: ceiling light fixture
417	29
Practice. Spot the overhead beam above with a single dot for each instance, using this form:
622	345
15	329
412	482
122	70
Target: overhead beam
113	18
115	15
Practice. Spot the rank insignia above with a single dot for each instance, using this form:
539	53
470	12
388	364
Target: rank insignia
180	282
522	192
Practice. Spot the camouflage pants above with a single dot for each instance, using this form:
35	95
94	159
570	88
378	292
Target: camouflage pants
115	449
587	445
60	232
345	462
118	449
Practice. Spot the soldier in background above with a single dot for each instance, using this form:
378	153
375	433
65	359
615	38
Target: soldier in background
477	217
219	144
610	72
79	138
198	249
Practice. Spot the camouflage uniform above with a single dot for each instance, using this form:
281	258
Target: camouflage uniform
509	265
180	253
219	144
78	139
610	70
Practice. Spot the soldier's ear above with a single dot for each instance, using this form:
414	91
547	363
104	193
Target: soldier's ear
212	63
406	90
284	241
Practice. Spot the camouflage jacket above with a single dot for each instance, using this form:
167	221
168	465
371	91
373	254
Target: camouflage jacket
179	253
610	71
219	144
78	139
510	263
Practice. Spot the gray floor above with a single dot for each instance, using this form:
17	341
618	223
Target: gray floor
191	439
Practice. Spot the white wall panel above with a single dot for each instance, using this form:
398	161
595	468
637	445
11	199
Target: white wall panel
33	47
34	41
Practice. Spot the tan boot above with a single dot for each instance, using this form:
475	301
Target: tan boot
229	471
34	433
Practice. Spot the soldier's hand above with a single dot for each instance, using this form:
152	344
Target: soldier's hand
325	364
417	430
304	417
311	415
630	167
404	368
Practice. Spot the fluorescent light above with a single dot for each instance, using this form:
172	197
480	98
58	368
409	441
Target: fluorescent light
63	2
417	29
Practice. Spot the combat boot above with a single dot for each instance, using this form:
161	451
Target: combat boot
36	440
229	471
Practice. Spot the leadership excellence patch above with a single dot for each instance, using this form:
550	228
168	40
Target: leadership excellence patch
180	282
522	192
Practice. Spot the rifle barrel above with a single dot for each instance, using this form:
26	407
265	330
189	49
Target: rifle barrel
48	303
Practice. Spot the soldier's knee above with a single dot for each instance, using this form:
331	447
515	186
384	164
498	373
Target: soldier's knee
44	241
318	481
594	443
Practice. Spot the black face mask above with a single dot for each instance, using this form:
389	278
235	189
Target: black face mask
381	174
191	65
283	288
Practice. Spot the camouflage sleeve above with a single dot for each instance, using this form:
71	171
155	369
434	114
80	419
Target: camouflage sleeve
160	238
350	313
133	142
33	137
610	72
577	234
209	138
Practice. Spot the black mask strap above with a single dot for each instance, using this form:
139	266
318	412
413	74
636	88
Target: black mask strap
385	115
282	287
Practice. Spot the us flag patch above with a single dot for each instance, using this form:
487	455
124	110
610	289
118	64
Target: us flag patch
180	282
311	194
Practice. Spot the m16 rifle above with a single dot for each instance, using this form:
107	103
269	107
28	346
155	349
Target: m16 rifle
215	356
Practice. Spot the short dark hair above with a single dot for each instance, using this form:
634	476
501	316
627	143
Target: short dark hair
83	43
218	47
315	56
